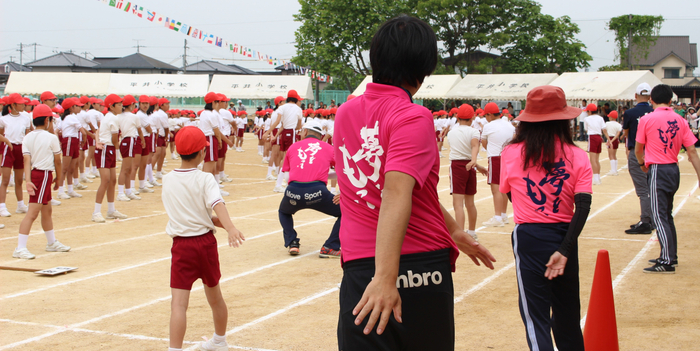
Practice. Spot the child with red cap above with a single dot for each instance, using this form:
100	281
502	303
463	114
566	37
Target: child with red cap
595	126
613	129
42	156
189	196
147	131
14	125
70	129
130	147
496	134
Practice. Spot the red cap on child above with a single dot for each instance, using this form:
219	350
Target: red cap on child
189	140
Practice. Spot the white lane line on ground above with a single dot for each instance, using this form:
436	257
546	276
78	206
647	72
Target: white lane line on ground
643	251
32	291
580	237
484	282
250	164
149	303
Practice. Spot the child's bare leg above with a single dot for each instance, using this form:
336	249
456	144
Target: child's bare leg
218	308
178	316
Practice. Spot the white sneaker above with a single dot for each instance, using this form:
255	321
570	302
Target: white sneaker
22	209
23	253
210	345
90	176
133	196
97	218
80	186
63	196
476	237
116	215
173	157
57	247
597	182
5	213
224	193
227	179
279	189
155	183
158	176
149	185
270	177
74	194
260	153
493	222
505	219
84	180
146	190
123	197
96	174
55	202
612	173
2	226
265	160
136	191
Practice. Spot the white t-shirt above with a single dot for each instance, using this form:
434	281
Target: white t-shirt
41	146
594	124
143	118
108	127
460	138
208	121
478	123
15	127
227	119
189	195
95	118
129	124
160	119
241	122
291	114
612	128
84	119
70	127
267	124
498	133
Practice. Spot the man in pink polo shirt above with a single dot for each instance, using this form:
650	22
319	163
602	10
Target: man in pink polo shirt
308	162
399	243
660	135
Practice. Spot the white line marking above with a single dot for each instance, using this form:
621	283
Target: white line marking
484	282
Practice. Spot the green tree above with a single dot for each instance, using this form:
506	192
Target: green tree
464	26
539	43
335	35
641	30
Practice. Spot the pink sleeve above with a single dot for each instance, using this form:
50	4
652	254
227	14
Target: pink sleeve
504	187
285	164
584	174
688	137
411	147
641	131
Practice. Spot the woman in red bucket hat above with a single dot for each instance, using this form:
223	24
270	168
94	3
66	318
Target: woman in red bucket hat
549	181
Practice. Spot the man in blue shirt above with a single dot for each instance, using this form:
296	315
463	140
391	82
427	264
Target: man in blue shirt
639	178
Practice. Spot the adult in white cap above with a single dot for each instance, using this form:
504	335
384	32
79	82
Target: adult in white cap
629	125
308	164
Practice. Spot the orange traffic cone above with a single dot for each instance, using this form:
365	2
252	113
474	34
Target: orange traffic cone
600	332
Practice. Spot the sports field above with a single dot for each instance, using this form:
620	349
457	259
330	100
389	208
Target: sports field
119	298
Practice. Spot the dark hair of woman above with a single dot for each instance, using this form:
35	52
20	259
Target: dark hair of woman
208	107
65	113
6	110
150	109
540	139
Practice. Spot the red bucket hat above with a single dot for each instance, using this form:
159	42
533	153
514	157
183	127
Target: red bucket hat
547	103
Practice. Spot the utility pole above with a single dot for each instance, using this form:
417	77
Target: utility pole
629	44
138	45
184	58
85	54
20	53
12	59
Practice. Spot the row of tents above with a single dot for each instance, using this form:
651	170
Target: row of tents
591	86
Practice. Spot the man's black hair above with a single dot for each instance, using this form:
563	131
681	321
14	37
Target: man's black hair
292	100
189	157
39	121
403	51
662	94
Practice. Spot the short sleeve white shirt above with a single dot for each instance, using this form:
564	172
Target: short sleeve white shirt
162	122
129	124
498	133
189	195
460	138
227	119
594	124
143	118
41	146
70	127
267	124
208	122
108	127
15	127
241	122
612	128
84	119
291	114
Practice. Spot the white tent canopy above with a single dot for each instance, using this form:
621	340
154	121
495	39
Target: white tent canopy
169	85
434	87
101	84
67	83
498	86
260	87
620	85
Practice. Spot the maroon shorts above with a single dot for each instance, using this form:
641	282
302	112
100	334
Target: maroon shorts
160	142
151	143
83	143
130	147
42	181
260	133
274	139
171	136
286	139
224	148
297	137
615	144
13	159
91	141
70	147
145	151
194	257
437	136
107	157
595	143
462	182
211	153
494	170
240	132
330	140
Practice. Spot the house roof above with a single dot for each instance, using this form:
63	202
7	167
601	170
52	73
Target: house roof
679	45
63	59
14	67
137	61
217	67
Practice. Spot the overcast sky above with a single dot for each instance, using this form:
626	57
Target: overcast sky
89	27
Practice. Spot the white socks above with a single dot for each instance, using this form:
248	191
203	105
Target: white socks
504	216
613	165
110	207
20	203
82	175
98	208
70	188
61	190
3	206
76	180
22	241
498	218
121	189
142	184
280	178
269	170
50	237
219	339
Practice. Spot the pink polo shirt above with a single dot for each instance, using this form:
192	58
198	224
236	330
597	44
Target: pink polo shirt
545	195
662	132
378	132
309	160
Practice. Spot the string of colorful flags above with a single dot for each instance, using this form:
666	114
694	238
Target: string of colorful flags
210	38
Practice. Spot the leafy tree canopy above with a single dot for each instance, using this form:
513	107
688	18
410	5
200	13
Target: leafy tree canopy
643	30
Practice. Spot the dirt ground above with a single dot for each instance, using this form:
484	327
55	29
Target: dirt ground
119	298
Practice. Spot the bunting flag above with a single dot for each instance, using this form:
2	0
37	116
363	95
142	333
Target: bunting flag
196	33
